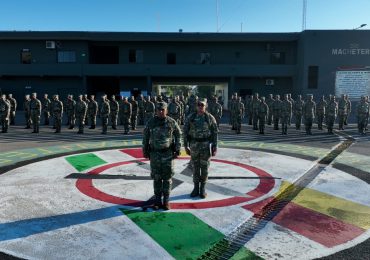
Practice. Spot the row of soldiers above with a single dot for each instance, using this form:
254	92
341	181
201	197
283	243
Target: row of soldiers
274	110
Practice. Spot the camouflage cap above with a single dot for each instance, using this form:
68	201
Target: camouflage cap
161	105
203	101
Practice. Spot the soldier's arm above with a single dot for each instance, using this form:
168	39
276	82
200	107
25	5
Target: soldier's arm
177	135
214	135
146	138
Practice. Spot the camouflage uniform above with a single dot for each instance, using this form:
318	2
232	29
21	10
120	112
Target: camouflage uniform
80	112
255	107
13	109
363	112
149	110
215	109
92	111
292	102
263	112
349	107
126	108
161	143
321	112
135	110
183	104
70	108
174	110
35	106
192	105
27	111
239	114
286	114
269	103
114	110
276	110
5	107
342	112
141	113
57	112
331	114
104	113
46	105
309	112
87	101
200	141
297	110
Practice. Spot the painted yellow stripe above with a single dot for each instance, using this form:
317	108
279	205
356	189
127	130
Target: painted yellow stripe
341	209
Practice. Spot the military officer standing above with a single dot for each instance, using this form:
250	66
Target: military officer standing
13	108
46	105
239	114
135	111
269	103
35	106
331	114
263	112
349	107
286	114
57	112
126	114
27	111
80	112
161	144
276	110
4	114
363	112
114	109
321	112
342	111
149	110
87	101
92	111
309	112
104	113
255	107
215	109
71	111
297	110
174	110
200	141
141	112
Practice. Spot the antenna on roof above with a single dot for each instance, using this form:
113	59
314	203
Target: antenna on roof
304	11
217	16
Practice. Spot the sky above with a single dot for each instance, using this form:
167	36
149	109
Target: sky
188	15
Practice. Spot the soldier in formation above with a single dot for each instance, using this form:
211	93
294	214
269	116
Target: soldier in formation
270	100
5	107
255	107
27	111
46	106
70	109
174	110
349	107
141	112
135	111
286	114
215	109
13	108
161	144
126	108
200	141
35	107
342	111
104	113
297	111
86	99
321	112
309	112
114	110
276	111
363	112
331	114
57	112
263	113
238	111
92	111
149	110
80	112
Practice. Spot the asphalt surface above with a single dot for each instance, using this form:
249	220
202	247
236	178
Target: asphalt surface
20	138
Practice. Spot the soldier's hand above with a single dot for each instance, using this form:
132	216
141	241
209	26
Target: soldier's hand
187	150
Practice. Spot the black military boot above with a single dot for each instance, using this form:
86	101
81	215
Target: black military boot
166	202
157	202
195	191
202	191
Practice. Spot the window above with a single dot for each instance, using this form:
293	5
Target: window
205	58
313	76
66	56
135	56
171	58
278	58
26	56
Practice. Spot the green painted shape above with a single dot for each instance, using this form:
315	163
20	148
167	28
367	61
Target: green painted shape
245	254
85	161
182	235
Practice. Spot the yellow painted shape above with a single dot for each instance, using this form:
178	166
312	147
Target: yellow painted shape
341	209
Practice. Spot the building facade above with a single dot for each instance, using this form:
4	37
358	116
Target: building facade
314	61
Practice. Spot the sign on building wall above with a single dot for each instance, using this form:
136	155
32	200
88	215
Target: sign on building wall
353	83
